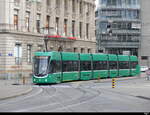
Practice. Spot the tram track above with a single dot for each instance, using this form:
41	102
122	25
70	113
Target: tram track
84	98
84	95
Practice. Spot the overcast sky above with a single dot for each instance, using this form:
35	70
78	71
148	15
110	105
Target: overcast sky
96	2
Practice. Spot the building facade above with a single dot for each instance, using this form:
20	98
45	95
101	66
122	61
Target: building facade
118	26
24	25
145	42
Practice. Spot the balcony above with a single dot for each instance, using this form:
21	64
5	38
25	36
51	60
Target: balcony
112	44
118	19
120	7
125	31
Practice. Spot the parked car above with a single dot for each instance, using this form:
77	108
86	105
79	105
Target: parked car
144	68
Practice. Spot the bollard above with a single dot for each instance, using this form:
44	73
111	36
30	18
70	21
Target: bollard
99	79
24	80
113	83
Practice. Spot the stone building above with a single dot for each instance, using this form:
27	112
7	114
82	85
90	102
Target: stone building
145	41
24	24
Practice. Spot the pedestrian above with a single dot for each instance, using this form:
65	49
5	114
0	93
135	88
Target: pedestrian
148	74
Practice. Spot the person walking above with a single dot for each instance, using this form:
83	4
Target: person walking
148	74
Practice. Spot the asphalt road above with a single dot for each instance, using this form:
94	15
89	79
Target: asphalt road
84	96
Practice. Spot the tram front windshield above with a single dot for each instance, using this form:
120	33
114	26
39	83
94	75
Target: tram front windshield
41	64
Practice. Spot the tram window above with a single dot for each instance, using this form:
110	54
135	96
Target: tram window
123	65
55	66
134	64
75	65
113	65
69	66
85	65
100	65
65	66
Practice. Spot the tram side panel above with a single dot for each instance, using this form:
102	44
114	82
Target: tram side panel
70	66
100	66
112	65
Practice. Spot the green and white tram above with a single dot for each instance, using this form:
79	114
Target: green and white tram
57	67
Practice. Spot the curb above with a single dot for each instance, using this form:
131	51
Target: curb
117	79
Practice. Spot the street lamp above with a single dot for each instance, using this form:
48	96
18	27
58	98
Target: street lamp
51	31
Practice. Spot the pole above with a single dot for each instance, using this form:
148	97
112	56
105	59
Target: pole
24	80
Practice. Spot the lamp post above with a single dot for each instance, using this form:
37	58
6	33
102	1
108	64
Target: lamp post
51	31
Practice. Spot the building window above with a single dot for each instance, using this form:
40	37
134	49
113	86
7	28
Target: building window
18	54
75	49
88	9
80	7
80	29
48	3
28	4
16	13
29	53
47	26
27	21
73	6
57	26
144	57
17	3
87	30
82	50
89	50
65	26
73	28
58	4
66	5
38	23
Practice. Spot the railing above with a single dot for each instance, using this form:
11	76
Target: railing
119	19
120	44
120	6
119	31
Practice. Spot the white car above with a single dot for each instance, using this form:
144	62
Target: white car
144	68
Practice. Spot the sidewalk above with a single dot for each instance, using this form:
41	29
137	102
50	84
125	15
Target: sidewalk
13	88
